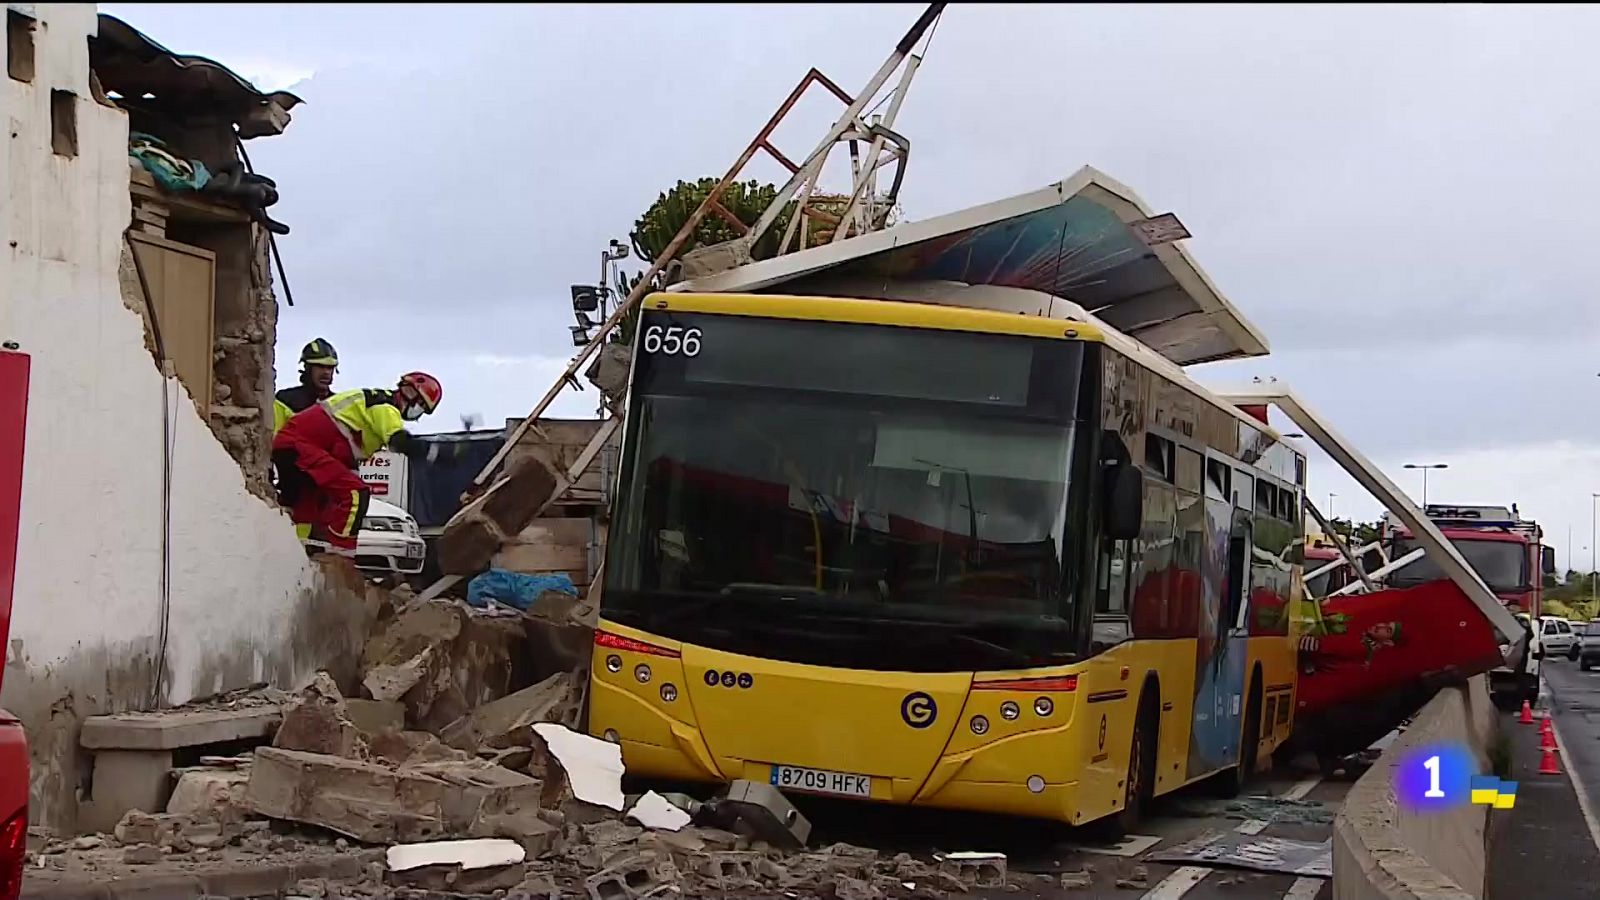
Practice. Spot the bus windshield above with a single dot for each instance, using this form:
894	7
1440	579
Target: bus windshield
848	495
1503	565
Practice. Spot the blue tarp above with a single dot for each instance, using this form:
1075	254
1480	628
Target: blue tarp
514	588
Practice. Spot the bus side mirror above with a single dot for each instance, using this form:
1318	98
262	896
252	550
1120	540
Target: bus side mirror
1547	559
1124	509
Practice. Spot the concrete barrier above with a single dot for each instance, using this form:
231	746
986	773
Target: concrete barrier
1382	851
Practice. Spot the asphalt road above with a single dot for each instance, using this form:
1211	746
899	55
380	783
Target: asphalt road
1032	847
1547	846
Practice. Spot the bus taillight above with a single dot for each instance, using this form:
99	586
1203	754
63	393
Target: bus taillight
1062	683
618	642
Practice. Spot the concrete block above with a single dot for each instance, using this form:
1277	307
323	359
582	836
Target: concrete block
176	728
769	815
979	870
632	877
472	536
364	801
126	780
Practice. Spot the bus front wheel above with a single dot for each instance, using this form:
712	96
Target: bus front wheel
1139	786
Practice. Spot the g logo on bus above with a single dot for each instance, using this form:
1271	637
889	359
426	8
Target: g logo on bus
918	710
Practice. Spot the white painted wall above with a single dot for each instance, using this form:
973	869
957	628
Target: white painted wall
88	592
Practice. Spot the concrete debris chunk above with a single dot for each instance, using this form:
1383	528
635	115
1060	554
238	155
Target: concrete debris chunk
1076	881
761	810
639	875
142	855
481	853
412	748
654	811
361	800
479	528
589	767
478	790
208	793
975	869
375	717
318	722
507	722
145	828
387	683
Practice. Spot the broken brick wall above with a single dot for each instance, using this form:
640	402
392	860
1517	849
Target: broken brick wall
238	407
102	574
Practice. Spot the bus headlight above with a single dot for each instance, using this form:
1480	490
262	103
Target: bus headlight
980	725
613	664
1043	707
612	736
642	672
1009	711
668	692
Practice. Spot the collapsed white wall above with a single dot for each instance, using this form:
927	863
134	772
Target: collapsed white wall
245	606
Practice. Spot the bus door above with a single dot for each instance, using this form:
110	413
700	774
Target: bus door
1232	658
1213	743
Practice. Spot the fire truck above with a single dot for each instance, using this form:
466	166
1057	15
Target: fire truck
1504	548
1508	553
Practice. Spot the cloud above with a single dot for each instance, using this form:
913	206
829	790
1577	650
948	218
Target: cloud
1400	196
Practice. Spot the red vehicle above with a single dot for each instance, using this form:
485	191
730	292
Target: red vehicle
13	742
1497	542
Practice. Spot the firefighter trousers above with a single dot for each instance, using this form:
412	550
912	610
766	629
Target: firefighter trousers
325	497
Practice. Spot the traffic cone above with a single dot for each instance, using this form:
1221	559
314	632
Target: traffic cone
1527	714
1547	765
1547	740
1544	725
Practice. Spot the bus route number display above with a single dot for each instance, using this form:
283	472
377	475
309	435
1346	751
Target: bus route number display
671	340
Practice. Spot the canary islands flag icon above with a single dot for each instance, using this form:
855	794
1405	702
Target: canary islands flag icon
1488	790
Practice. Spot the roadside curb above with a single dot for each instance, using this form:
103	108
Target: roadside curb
220	880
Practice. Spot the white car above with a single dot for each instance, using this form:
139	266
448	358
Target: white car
389	541
1558	638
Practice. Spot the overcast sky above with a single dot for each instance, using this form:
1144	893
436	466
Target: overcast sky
1394	195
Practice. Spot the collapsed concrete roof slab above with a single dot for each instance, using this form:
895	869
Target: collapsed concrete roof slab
1074	239
132	64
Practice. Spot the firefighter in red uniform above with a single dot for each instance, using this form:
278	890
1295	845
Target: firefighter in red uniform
319	451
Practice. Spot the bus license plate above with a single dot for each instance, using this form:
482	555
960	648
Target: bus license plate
821	781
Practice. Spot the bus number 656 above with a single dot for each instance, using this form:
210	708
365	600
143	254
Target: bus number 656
672	341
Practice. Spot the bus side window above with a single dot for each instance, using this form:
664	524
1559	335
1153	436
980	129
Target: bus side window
1238	575
1244	487
1218	480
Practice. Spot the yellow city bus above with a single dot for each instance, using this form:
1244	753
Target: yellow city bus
940	556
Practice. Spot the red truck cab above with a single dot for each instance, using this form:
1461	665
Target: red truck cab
14	368
1502	547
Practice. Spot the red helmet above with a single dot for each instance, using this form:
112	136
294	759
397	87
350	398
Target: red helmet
427	388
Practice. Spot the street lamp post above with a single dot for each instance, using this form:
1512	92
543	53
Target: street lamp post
1594	531
1425	467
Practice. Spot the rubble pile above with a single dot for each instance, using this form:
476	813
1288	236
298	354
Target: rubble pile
453	764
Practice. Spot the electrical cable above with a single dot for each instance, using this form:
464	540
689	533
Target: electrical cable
168	417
